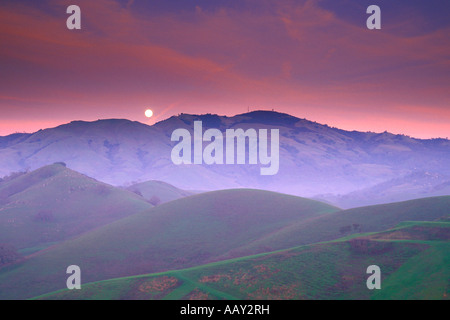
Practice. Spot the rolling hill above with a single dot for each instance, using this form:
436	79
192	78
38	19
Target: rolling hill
414	264
205	228
54	203
351	221
158	191
417	184
178	234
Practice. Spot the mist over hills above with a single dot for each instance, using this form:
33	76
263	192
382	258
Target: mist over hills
209	227
54	203
315	159
411	186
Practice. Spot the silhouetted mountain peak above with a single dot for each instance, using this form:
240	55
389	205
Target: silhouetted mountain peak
270	117
259	118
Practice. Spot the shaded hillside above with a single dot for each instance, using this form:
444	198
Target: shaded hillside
54	203
204	228
182	233
157	192
352	221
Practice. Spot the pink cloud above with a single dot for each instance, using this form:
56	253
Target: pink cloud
298	58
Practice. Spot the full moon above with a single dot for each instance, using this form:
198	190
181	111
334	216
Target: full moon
148	113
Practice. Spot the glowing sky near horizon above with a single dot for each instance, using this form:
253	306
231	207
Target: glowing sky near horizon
312	59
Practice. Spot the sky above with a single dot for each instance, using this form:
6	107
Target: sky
313	59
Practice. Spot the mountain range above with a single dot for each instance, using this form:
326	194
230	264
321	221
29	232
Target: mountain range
315	159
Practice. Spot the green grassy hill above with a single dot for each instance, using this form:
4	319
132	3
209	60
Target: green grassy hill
54	203
410	269
413	230
182	233
338	224
224	225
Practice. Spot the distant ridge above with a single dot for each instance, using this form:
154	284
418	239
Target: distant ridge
315	159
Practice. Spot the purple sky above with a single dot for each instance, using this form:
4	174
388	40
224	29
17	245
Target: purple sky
312	59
